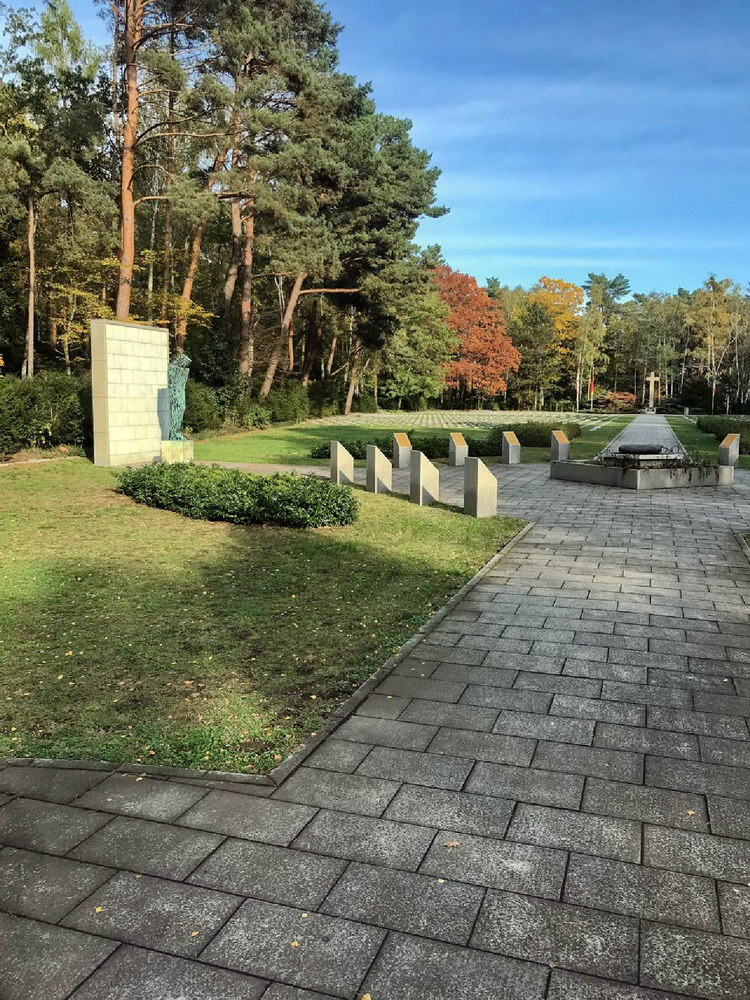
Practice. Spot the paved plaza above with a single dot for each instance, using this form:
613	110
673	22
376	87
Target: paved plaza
549	798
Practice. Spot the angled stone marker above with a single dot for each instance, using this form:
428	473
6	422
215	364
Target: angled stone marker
342	464
424	480
511	449
729	450
480	489
458	449
379	471
401	451
559	447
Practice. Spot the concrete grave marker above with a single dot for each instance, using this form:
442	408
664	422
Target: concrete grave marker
480	489
424	480
458	449
511	449
729	450
342	464
653	379
379	471
686	411
559	447
401	451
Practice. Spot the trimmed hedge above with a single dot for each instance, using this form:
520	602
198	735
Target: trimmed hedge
202	411
721	426
212	493
41	411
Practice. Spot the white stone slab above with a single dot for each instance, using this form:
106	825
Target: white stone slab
401	451
511	454
342	464
729	450
559	447
480	489
458	450
424	480
379	471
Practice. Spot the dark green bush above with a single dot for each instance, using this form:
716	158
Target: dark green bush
365	403
212	493
288	403
721	426
202	412
532	434
41	411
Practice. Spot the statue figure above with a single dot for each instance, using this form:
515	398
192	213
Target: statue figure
177	376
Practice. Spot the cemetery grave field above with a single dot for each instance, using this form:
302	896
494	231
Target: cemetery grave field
131	634
697	441
290	444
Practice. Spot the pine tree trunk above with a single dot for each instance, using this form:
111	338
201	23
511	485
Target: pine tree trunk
332	354
30	233
235	260
133	11
187	285
281	343
312	346
247	344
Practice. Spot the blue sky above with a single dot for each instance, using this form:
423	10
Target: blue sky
573	136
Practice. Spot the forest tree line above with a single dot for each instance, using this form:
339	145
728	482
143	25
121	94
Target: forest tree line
213	171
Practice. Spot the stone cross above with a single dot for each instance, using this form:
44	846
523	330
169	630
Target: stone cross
652	380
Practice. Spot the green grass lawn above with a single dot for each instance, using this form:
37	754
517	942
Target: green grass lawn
695	440
291	444
134	634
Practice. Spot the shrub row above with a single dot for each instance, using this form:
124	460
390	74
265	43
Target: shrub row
534	434
41	411
212	493
721	426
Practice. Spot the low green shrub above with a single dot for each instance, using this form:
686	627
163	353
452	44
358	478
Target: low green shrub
202	411
288	403
721	426
365	403
532	434
212	493
41	411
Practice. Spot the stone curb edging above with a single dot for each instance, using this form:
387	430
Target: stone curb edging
300	753
740	536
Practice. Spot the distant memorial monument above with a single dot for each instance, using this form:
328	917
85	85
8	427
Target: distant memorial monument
652	380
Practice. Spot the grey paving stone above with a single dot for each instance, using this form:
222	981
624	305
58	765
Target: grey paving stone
558	934
721	703
627	672
431	769
484	815
648	741
647	694
275	874
338	755
145	798
496	864
45	887
649	805
40	960
334	790
150	848
619	765
731	752
40	826
497	698
603	711
53	784
483	746
571	651
671	897
413	968
463	716
535	663
694	962
374	841
688	775
138	974
545	727
488	676
414	687
582	687
683	679
386	733
734	902
729	817
154	913
605	836
415	904
413	668
315	951
525	784
702	723
380	706
448	654
573	986
697	853
278	992
254	819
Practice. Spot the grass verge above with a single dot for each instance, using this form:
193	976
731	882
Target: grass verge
134	634
695	440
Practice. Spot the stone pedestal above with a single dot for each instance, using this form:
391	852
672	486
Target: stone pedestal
342	465
458	449
176	451
480	489
729	450
424	480
511	449
401	451
379	471
686	411
559	447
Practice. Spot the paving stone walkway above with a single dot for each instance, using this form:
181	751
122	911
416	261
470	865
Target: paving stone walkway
549	799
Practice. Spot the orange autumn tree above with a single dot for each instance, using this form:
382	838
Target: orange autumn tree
485	354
